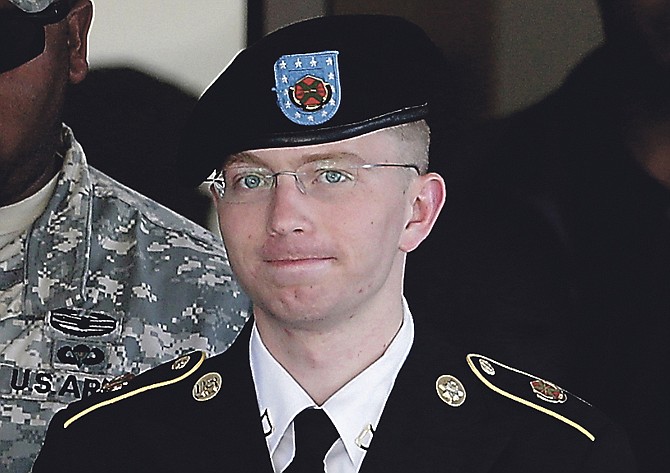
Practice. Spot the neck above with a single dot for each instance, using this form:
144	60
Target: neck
323	360
30	173
649	142
642	103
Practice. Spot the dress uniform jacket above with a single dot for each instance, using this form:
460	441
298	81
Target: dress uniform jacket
155	422
94	286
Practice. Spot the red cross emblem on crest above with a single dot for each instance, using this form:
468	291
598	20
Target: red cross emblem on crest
310	93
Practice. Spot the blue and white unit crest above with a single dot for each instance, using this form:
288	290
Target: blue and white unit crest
308	87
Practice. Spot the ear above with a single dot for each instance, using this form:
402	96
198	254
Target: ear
429	195
79	22
215	195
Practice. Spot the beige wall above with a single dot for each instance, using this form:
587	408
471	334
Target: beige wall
510	52
186	42
536	44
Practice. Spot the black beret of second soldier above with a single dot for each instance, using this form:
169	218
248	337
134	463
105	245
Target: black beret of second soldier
313	82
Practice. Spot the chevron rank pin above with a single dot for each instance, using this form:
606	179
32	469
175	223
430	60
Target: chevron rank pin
308	87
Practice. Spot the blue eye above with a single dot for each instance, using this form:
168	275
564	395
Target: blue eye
248	179
251	181
333	176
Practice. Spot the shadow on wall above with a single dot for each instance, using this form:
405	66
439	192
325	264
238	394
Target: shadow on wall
129	124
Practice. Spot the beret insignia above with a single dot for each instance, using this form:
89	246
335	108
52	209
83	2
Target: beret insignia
308	87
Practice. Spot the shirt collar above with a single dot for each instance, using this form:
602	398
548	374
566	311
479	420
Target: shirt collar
18	217
64	223
354	408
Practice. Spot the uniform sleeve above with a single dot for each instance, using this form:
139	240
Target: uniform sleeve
611	453
56	455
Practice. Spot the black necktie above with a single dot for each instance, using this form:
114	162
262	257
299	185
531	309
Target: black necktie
314	435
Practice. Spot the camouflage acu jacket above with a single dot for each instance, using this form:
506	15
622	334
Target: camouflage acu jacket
113	283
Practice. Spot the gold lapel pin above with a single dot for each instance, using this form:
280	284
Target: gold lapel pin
450	390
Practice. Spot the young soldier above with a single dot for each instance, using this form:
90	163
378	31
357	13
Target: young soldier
320	139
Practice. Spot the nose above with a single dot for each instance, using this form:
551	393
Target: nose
288	210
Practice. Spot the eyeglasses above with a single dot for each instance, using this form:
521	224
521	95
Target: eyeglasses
22	34
324	180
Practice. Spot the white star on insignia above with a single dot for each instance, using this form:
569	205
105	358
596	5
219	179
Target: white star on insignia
332	102
287	104
331	76
329	61
324	113
298	63
313	62
282	64
297	114
310	118
284	79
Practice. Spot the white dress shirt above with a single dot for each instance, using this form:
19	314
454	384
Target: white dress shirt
355	409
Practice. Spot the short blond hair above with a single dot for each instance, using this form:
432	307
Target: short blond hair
415	143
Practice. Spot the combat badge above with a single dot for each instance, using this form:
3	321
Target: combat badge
308	87
450	390
548	392
82	323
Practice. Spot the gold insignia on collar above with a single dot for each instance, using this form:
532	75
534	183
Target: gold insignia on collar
450	390
181	363
487	367
207	387
364	439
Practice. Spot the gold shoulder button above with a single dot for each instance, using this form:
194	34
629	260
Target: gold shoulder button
532	391
164	375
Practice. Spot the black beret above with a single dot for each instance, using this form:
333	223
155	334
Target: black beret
316	81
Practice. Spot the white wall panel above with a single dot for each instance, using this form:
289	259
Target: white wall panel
186	42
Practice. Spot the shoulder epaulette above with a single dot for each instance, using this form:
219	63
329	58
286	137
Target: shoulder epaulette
532	391
164	375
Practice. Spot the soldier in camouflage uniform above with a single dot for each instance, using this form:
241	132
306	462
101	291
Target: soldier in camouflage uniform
96	281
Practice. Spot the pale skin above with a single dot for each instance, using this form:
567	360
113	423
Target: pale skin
32	100
650	144
326	277
646	121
